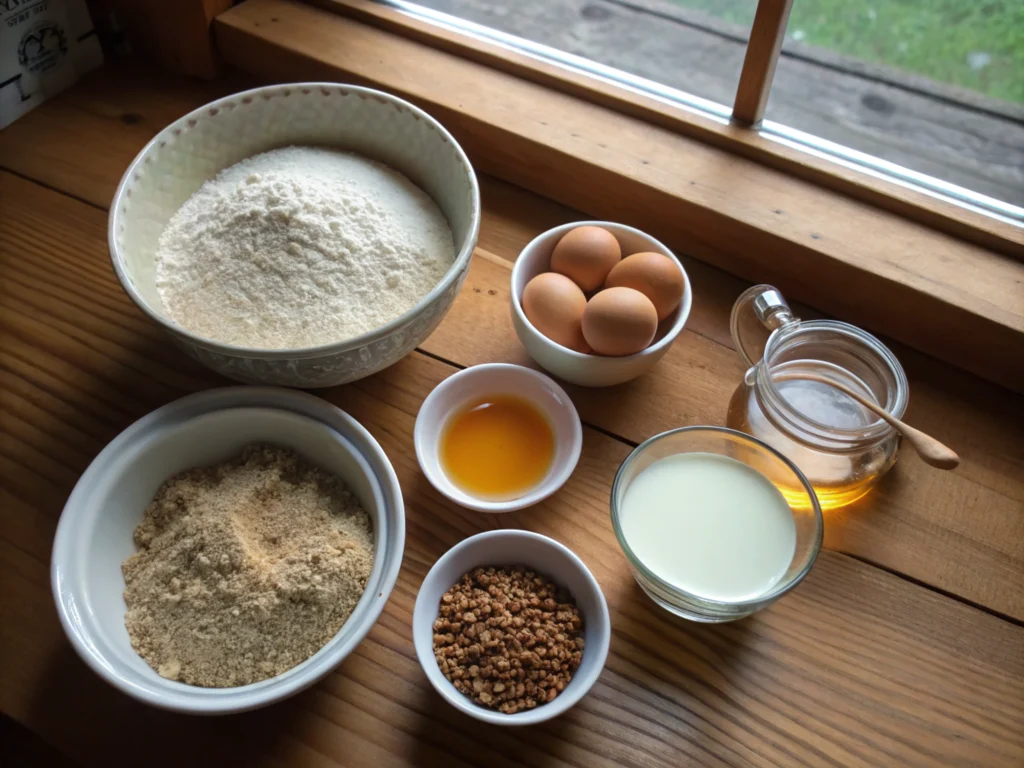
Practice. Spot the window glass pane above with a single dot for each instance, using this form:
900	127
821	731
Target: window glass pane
936	86
671	43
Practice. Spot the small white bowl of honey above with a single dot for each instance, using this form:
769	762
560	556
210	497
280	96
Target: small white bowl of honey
498	437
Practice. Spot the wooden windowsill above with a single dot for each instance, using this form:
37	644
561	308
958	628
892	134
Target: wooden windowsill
916	205
957	301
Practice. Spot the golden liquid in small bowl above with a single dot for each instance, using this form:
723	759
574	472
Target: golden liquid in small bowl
497	448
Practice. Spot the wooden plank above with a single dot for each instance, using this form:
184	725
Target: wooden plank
174	33
808	96
871	268
856	667
960	532
114	112
763	49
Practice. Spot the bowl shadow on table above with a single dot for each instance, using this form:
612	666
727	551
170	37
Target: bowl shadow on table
83	716
635	703
150	364
671	668
658	668
108	394
447	737
847	528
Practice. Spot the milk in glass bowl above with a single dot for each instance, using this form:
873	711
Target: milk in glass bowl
707	532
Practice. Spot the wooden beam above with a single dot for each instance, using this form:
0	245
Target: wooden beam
174	33
910	203
766	36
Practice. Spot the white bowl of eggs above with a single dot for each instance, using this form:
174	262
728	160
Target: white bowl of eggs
598	303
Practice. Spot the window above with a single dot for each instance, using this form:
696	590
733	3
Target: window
933	85
664	43
929	93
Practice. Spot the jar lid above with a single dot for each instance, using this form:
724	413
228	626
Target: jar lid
758	313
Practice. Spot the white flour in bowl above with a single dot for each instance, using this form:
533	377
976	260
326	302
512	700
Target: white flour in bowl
299	247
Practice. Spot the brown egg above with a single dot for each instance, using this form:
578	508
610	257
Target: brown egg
555	305
619	321
586	255
655	275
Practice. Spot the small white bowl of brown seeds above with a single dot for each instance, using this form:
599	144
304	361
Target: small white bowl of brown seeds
511	627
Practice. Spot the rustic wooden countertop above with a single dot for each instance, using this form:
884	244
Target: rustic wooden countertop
904	646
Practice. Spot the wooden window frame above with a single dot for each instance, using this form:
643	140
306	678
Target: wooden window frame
766	35
767	31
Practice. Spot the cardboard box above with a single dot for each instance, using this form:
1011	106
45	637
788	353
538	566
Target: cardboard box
45	46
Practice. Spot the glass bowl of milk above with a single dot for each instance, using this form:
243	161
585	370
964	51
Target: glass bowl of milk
707	532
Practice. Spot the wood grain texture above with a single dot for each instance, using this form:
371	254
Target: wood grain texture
962	533
762	56
855	668
173	33
870	267
114	112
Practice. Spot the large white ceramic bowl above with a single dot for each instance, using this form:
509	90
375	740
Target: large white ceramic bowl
544	555
577	367
462	388
94	535
195	148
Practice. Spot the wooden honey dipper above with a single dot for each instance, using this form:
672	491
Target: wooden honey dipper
928	448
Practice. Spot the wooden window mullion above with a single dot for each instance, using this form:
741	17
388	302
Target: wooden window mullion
763	50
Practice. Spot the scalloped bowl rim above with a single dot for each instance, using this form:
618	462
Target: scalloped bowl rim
458	267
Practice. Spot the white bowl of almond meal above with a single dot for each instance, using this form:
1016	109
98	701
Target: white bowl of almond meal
228	550
306	234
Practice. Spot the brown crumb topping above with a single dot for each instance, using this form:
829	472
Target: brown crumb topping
508	638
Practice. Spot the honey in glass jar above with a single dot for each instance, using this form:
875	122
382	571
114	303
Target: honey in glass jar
841	447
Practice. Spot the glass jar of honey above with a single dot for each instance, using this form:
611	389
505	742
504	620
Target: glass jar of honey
841	447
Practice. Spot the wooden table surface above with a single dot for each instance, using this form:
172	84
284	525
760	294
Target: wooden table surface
904	646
